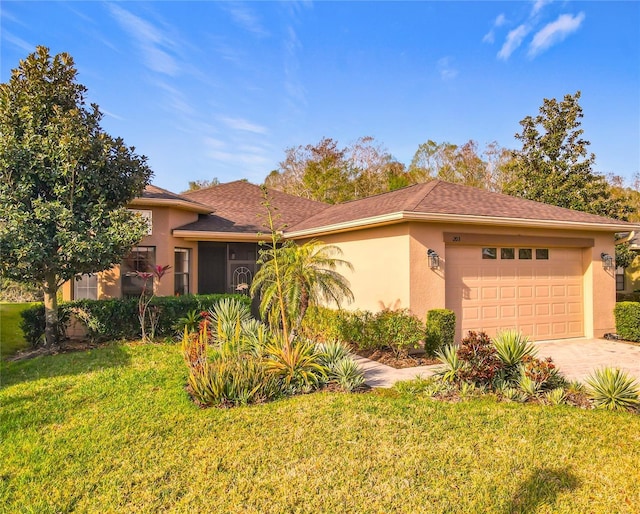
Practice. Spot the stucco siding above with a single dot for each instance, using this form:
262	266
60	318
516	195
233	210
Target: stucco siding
380	259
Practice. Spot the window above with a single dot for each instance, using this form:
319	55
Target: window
507	253
148	216
85	287
619	278
182	257
489	253
525	254
542	254
141	258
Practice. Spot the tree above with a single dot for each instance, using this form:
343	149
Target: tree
64	182
328	173
195	185
464	164
309	277
291	277
554	165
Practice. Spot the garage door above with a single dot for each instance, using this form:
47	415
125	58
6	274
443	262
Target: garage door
535	290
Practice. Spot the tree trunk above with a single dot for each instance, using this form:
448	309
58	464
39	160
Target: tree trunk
51	312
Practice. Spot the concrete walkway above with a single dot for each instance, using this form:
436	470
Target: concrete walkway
576	359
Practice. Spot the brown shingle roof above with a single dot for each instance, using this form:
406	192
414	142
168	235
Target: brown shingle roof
154	195
158	193
441	198
238	208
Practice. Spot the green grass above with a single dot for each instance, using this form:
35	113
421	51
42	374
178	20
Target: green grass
11	338
112	430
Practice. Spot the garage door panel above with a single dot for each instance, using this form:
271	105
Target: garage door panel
541	298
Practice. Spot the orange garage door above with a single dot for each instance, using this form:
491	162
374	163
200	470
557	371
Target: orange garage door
535	290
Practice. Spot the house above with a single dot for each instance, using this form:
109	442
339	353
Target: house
628	279
495	260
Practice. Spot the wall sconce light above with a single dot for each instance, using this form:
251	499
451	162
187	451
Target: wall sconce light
607	261
434	259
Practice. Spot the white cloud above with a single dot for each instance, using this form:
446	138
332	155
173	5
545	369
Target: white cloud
20	43
555	32
446	70
538	5
152	42
490	36
243	125
246	18
513	41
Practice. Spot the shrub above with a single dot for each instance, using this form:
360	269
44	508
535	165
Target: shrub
480	359
542	371
398	330
613	389
14	291
440	330
627	316
296	364
33	323
556	396
232	379
118	318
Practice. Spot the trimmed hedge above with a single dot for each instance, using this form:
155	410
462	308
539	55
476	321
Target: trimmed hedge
440	330
117	318
627	316
397	330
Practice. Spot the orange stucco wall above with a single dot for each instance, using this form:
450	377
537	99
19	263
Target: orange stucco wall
381	277
164	219
391	267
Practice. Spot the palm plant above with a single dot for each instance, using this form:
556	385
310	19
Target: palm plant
307	276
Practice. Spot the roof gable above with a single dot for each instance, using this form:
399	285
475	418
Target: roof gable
239	207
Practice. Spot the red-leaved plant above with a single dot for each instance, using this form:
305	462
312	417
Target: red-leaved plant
144	302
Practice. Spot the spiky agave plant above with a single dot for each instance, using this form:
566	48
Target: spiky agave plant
448	355
347	374
613	389
512	347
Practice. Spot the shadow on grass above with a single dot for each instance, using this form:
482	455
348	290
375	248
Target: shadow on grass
112	355
541	488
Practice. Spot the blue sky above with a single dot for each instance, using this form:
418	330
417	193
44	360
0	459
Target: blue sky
221	89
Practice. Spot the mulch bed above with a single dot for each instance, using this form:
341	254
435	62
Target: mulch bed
389	358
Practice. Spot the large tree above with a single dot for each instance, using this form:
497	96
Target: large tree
554	165
464	164
64	182
331	174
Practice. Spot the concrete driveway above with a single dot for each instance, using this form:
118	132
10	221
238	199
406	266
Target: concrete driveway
576	359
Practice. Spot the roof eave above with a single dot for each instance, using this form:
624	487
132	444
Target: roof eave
205	235
165	202
397	217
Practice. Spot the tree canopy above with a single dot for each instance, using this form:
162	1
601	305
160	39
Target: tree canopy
64	182
327	173
554	165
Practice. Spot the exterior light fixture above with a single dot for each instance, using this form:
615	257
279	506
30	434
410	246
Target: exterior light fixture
434	259
607	261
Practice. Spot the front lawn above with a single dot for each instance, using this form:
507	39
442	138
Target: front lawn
11	338
113	430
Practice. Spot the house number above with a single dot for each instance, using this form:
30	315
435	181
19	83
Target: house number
456	239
